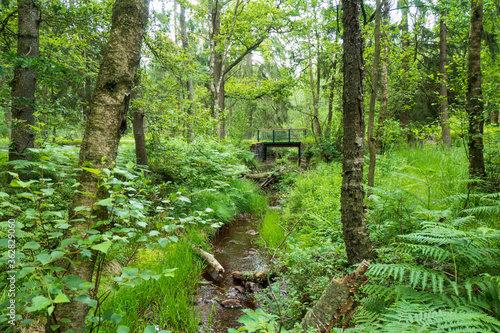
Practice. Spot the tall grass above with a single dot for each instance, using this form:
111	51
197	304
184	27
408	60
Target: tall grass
166	302
270	229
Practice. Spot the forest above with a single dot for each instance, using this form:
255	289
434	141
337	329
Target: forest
149	181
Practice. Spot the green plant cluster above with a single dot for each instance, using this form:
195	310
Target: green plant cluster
437	238
143	247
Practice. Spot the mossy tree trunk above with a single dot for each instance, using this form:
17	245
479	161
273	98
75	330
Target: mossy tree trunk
356	234
475	104
24	81
102	135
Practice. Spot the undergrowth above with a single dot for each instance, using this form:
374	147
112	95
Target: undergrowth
437	238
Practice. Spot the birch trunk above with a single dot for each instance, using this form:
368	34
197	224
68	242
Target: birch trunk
102	135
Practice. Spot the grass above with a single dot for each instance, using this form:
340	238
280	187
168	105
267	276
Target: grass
270	230
167	301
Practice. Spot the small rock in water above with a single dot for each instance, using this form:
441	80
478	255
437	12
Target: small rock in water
252	251
254	287
252	232
230	303
233	242
240	289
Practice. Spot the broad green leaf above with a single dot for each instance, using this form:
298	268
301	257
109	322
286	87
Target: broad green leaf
122	329
44	258
150	329
103	247
94	171
105	202
20	183
3	195
39	303
31	245
24	271
61	298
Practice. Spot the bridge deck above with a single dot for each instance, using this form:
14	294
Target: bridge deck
281	138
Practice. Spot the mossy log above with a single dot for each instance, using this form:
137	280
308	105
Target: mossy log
335	303
259	277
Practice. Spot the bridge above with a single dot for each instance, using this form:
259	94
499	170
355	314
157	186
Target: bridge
281	138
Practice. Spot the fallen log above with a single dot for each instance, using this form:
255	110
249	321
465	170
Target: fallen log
259	277
272	178
336	302
210	260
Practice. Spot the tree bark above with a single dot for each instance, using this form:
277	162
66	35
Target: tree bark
404	115
102	134
443	80
216	71
24	82
356	234
314	91
189	82
384	82
335	302
475	106
138	127
373	97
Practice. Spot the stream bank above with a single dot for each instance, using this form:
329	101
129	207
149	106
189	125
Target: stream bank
220	301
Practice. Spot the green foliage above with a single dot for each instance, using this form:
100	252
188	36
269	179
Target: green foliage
199	164
258	321
270	229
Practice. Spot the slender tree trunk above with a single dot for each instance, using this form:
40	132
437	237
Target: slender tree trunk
331	89
189	82
356	234
24	82
404	115
102	134
475	106
384	82
443	91
216	67
373	98
138	115
315	94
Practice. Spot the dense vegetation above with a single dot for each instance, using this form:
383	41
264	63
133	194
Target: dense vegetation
98	221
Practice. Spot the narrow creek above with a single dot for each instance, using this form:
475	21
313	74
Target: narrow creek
220	301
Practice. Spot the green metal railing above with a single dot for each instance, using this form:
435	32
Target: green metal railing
281	135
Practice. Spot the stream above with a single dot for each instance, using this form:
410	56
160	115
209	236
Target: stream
220	301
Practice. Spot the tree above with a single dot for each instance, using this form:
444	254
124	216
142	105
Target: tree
138	115
443	91
475	105
356	234
373	97
384	83
24	81
100	142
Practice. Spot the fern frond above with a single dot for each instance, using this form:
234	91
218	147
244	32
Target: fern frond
416	275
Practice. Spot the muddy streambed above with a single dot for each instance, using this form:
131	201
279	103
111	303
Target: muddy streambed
220	301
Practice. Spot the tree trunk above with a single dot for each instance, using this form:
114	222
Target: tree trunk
443	91
356	234
331	89
24	82
138	125
404	115
373	97
102	134
314	91
216	71
475	106
384	82
189	82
